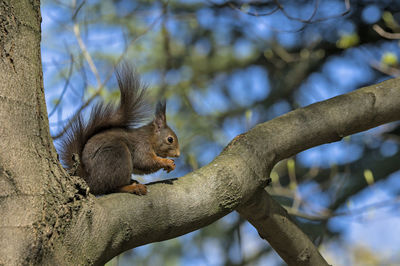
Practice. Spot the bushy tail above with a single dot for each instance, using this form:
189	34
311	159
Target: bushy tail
131	111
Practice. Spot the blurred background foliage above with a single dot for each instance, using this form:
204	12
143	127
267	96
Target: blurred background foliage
225	66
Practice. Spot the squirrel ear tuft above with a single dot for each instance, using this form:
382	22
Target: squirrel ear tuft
160	108
160	119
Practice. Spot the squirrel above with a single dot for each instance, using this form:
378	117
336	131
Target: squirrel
111	146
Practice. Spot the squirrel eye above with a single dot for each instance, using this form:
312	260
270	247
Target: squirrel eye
170	139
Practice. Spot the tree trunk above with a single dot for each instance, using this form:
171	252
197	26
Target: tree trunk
37	197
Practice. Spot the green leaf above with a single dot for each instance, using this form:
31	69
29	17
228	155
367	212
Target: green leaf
268	53
245	8
348	40
274	176
389	20
389	59
291	166
292	173
369	177
248	114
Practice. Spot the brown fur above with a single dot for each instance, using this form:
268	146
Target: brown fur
109	146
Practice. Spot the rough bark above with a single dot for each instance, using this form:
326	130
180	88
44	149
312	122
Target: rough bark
47	217
36	193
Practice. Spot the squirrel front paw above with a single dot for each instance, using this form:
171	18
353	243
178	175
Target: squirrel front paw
169	165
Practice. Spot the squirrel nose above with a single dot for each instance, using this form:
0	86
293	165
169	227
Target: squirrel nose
178	153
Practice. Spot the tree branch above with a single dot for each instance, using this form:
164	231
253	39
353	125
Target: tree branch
109	225
275	225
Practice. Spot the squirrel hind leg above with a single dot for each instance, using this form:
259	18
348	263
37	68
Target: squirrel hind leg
134	188
109	167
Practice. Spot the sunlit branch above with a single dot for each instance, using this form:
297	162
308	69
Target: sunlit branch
385	34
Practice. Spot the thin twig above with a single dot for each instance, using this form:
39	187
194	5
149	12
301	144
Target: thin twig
101	84
86	54
385	34
305	22
71	66
255	14
355	211
388	70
